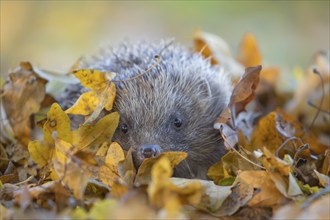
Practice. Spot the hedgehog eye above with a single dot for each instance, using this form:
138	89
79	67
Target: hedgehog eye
177	122
124	128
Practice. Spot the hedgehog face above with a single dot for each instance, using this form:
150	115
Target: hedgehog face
168	100
164	112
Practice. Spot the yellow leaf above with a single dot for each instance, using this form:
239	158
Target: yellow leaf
110	96
91	137
143	175
229	166
102	151
57	121
115	154
249	51
106	97
109	172
163	193
101	96
86	104
265	134
272	163
92	79
63	150
118	189
107	175
40	152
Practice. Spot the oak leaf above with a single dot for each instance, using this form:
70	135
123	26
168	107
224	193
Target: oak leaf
101	96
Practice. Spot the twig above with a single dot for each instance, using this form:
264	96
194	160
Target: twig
322	97
24	181
300	149
158	59
285	142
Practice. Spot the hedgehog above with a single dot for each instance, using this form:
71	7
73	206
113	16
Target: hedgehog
168	98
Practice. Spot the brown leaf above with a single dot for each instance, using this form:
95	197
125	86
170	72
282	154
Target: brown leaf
214	47
268	196
241	194
244	91
21	98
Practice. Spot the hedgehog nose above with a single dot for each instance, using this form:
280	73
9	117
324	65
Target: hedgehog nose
149	151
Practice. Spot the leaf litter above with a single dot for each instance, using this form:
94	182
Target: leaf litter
277	164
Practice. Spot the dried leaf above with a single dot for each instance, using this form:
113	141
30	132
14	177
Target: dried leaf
265	134
143	176
72	175
213	196
90	138
213	46
249	51
243	93
268	196
92	79
163	193
57	121
101	96
109	171
240	196
40	152
21	98
126	169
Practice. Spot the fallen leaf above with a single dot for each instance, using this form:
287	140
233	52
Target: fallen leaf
240	196
57	121
73	175
228	167
215	47
163	193
90	138
21	98
249	54
213	195
109	171
243	93
101	96
126	169
268	196
143	176
265	134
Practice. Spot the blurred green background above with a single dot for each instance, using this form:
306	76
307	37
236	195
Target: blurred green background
53	34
